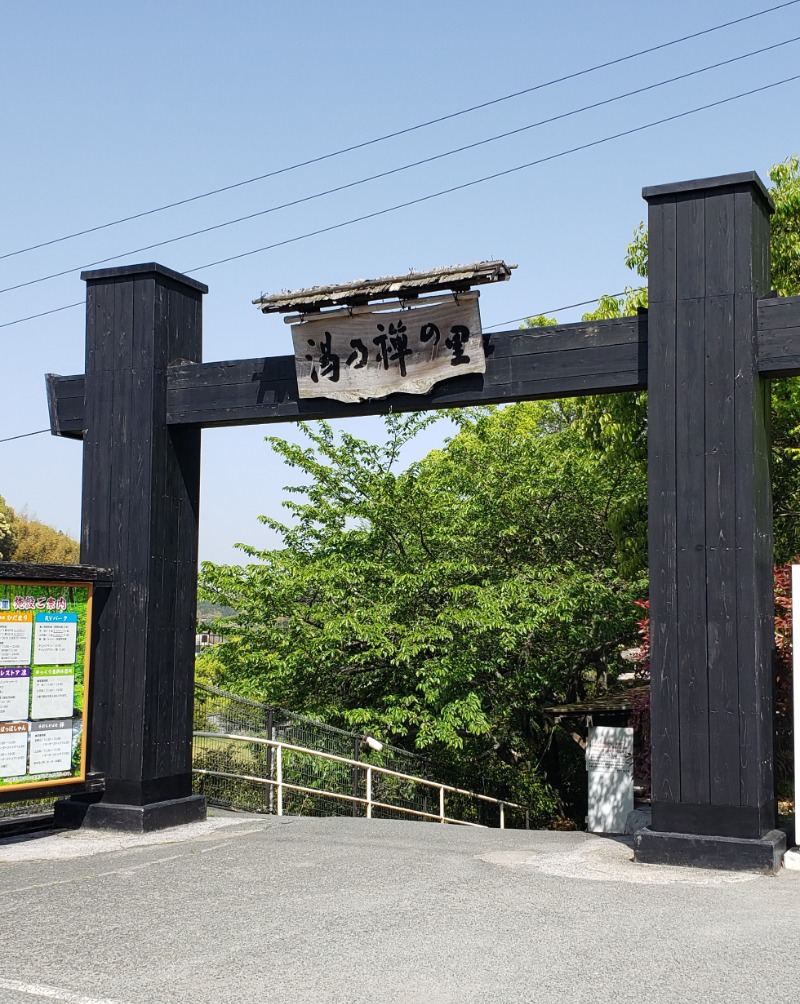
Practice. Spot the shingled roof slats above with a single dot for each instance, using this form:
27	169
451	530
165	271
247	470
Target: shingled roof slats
408	286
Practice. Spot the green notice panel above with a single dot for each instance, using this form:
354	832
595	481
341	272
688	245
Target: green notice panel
44	679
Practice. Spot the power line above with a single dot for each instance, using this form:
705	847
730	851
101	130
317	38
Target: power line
457	188
405	167
44	313
514	320
553	310
24	435
497	174
401	132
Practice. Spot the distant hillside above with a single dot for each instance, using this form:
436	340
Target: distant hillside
207	612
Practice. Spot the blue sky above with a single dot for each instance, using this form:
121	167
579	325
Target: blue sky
110	109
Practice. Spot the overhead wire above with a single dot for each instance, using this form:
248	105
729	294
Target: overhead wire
461	187
401	132
24	435
42	313
552	310
405	167
497	174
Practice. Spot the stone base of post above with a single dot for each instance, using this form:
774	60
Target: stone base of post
73	814
700	851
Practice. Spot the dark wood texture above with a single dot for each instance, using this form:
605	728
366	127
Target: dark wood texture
662	500
140	517
245	391
703	851
779	337
55	573
572	359
723	820
707	186
65	401
710	510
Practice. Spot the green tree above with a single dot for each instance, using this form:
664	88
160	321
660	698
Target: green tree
439	606
785	227
8	538
37	542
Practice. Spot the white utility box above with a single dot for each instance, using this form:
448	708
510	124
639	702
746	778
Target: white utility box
609	765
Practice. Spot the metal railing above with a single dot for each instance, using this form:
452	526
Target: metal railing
217	710
279	785
13	811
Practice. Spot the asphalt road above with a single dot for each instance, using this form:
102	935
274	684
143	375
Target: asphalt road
247	909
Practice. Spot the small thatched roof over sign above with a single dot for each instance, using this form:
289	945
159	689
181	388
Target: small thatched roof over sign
620	700
402	287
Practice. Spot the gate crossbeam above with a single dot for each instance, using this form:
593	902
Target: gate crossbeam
573	359
570	360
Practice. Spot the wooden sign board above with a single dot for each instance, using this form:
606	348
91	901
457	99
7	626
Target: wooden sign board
404	351
44	678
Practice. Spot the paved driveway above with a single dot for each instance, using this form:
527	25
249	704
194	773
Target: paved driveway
256	909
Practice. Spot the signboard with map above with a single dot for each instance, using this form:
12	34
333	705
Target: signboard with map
44	677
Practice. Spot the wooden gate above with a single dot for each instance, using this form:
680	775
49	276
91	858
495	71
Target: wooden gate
705	350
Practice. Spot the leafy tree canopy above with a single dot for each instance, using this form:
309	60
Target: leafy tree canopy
24	538
8	538
442	604
38	542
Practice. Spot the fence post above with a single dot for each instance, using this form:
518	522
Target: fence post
502	815
279	750
369	792
441	803
270	728
354	771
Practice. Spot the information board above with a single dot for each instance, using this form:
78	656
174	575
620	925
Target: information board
610	749
44	677
609	763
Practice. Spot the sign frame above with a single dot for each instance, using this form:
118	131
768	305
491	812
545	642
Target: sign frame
370	353
10	791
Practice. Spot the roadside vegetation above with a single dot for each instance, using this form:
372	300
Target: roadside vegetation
25	538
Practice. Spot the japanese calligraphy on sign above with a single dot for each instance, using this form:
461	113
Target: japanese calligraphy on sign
375	354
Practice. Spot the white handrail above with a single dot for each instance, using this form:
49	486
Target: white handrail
279	782
335	794
369	768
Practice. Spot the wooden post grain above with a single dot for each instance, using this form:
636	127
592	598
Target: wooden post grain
141	487
710	513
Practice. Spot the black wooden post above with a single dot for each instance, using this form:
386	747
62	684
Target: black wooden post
710	528
141	483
